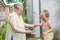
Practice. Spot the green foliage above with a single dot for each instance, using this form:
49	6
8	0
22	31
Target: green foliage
9	1
3	31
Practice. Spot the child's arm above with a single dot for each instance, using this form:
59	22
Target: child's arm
32	25
51	28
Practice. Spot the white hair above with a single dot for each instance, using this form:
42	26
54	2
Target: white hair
19	4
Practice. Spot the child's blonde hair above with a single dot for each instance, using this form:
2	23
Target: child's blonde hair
46	13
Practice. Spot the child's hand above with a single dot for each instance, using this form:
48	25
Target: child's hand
45	33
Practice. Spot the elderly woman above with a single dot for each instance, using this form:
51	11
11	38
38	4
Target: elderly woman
16	29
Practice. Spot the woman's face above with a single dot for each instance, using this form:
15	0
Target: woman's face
20	10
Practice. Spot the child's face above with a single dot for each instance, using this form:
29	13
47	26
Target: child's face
44	18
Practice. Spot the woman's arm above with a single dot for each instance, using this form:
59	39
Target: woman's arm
15	28
29	25
32	25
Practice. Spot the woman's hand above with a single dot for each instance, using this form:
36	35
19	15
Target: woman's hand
30	32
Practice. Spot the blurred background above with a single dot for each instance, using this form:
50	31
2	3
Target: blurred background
52	5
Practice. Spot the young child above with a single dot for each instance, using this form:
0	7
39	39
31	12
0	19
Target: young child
47	26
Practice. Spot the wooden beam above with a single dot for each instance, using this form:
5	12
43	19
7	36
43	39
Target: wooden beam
2	2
